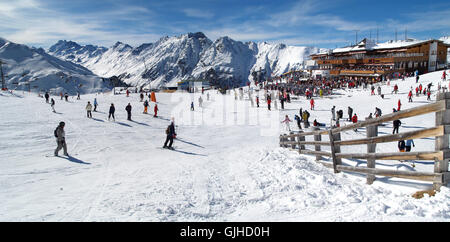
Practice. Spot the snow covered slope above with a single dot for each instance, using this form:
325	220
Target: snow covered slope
192	55
224	168
44	72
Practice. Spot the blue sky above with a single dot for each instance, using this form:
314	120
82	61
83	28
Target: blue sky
324	24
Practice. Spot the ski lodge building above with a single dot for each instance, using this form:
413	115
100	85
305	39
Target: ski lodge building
370	59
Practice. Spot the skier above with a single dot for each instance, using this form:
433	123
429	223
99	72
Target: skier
333	113
257	101
379	90
46	97
128	109
128	93
397	124
429	95
350	112
170	132
142	97
286	121
377	112
401	145
66	96
372	88
399	105
340	114
146	106
52	103
408	145
410	96
156	110
192	106
78	96
298	119
355	119
268	102
61	95
312	103
444	76
305	118
112	109
200	101
60	139
89	110
282	102
95	104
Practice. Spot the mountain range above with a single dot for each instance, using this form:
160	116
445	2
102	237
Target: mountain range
188	56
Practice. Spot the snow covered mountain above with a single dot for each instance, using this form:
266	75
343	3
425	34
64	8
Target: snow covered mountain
30	68
189	56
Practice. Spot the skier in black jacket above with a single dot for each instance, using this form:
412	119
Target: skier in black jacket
112	109
397	124
128	109
170	131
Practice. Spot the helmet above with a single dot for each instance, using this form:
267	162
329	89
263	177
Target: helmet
62	123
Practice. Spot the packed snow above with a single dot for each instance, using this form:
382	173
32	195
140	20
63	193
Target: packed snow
227	164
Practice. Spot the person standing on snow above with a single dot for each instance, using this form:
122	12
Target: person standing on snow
399	105
312	103
95	104
66	96
396	124
60	139
128	109
89	110
112	109
145	106
257	101
200	101
298	119
156	110
286	121
170	132
269	100
333	112
192	106
47	96
410	96
52	103
408	145
350	112
142	97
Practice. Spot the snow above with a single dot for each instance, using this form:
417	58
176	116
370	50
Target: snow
227	165
25	65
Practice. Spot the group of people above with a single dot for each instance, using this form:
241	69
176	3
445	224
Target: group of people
59	132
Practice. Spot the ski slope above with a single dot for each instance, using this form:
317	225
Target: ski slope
227	164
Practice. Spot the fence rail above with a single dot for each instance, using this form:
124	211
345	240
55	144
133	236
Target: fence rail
441	154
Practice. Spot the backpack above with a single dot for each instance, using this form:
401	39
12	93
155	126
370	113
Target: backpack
167	130
55	132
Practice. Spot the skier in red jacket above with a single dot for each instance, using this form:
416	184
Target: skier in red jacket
399	105
312	103
156	110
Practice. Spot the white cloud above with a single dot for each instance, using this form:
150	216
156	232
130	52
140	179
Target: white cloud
197	13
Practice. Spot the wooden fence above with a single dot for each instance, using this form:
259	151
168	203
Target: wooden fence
440	155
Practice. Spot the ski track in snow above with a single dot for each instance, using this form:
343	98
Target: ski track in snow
217	172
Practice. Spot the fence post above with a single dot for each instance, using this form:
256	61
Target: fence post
371	131
317	147
442	142
337	148
292	139
301	138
